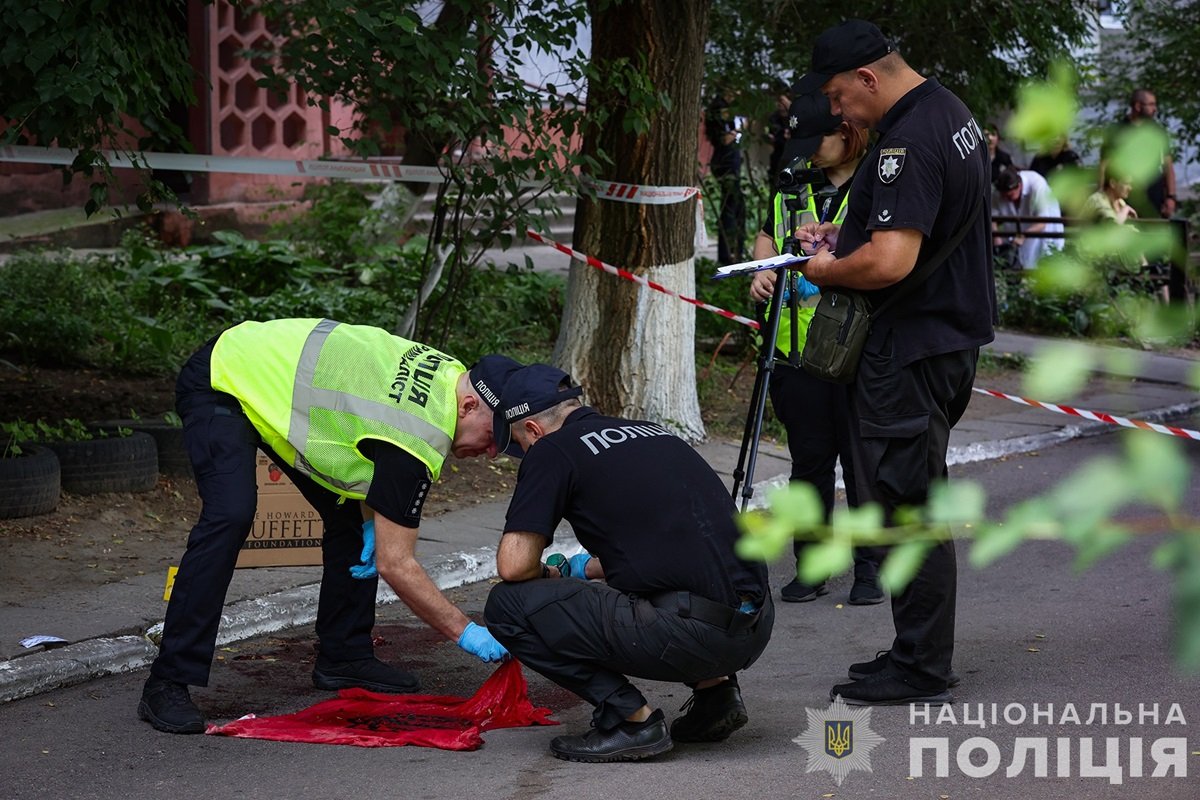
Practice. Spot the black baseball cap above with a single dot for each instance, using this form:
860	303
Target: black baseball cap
853	44
809	121
488	377
529	391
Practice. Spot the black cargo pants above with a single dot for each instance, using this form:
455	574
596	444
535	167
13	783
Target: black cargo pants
901	418
222	446
587	637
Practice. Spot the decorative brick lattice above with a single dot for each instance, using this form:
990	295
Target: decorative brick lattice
246	118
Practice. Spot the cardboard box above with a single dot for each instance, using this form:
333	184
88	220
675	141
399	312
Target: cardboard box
287	530
270	478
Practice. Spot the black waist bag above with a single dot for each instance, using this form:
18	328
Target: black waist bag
836	336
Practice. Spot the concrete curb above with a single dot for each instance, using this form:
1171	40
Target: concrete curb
66	666
61	667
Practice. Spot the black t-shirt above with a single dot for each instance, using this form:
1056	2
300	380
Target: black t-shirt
400	484
929	172
642	501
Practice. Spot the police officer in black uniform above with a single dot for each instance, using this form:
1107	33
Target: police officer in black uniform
676	604
925	181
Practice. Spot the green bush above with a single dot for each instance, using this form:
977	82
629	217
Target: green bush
731	294
332	228
49	309
1026	303
515	311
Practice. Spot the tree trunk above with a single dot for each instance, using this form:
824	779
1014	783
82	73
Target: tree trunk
633	348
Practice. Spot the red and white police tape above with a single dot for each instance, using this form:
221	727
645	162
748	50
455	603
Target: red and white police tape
348	169
1097	416
635	193
191	162
629	276
378	168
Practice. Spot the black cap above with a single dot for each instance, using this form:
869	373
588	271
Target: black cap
853	44
530	391
809	121
488	377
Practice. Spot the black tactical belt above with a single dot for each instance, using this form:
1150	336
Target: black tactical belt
693	606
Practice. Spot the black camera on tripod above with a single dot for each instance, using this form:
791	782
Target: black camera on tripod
798	176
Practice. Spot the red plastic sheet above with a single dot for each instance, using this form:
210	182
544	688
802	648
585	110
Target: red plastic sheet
369	719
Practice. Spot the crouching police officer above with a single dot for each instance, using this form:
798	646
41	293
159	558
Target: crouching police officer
346	411
676	604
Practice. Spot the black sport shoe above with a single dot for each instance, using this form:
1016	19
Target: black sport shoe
364	673
865	669
866	591
800	592
712	714
629	741
886	688
168	706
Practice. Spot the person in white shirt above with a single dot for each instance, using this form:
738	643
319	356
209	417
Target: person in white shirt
1025	193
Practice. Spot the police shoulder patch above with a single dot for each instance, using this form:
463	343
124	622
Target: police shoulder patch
891	161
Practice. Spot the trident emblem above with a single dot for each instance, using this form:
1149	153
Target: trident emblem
839	738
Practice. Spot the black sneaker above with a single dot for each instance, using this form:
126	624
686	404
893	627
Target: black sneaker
711	714
364	673
168	706
866	591
886	688
865	669
629	741
800	592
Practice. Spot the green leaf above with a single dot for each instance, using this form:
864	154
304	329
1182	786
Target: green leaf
995	541
797	506
1098	544
902	564
762	539
1045	110
956	503
407	23
1059	371
1168	554
1159	467
865	520
1186	568
821	560
1137	153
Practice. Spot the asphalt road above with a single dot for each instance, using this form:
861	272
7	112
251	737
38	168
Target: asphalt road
1030	630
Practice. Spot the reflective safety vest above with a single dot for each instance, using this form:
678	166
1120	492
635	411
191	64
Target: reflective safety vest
804	314
316	388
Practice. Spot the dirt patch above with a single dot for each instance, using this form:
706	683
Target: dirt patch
83	394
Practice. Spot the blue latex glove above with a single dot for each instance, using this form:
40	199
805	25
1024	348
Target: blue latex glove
804	287
479	642
573	567
578	566
366	569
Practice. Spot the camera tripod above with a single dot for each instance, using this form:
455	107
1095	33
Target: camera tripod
785	284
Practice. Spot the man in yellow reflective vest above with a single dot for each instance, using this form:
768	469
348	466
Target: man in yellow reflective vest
361	421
